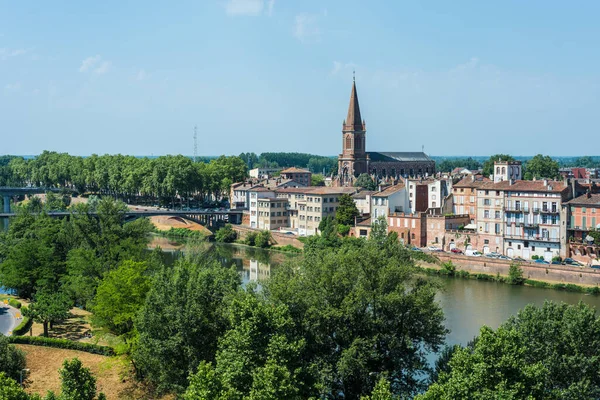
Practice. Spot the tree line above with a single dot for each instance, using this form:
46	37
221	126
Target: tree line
315	163
126	177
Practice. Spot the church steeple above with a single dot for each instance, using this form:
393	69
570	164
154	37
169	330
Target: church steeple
353	120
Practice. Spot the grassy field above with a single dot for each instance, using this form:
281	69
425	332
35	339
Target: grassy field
114	374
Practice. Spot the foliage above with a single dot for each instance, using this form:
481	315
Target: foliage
541	166
48	307
120	295
183	233
343	230
251	238
515	275
548	352
182	319
12	360
381	391
63	344
77	382
288	248
448	268
488	166
363	312
263	239
365	181
596	235
317	180
226	234
11	390
379	230
323	165
346	211
447	165
257	358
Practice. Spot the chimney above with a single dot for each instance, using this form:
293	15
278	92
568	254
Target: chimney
589	195
545	182
472	178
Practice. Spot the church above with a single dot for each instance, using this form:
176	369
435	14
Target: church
355	160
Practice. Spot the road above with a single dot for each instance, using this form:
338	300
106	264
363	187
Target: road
7	319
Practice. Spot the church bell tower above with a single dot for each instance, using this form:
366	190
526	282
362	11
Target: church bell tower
354	160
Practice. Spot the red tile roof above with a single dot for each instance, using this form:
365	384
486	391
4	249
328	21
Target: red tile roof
294	170
586	200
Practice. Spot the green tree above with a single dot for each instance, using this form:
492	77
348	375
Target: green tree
12	360
263	239
548	352
346	211
182	320
77	381
596	235
120	295
48	307
11	390
379	230
364	312
515	275
257	358
365	181
226	234
541	167
381	391
317	180
488	166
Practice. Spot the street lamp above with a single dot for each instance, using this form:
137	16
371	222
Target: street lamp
26	370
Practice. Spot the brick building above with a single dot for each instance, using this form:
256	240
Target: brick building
300	175
410	228
355	160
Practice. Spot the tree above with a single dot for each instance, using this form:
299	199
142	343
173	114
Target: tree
183	317
515	275
257	356
595	234
77	381
541	167
11	390
488	166
12	360
364	313
379	230
548	352
120	295
226	234
381	391
346	211
263	239
365	181
317	180
48	307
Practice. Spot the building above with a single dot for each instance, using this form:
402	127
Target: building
239	194
393	199
362	200
355	160
410	228
464	195
302	176
490	217
258	195
507	170
262	173
435	227
583	217
533	218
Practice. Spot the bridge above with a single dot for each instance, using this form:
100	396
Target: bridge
6	192
206	218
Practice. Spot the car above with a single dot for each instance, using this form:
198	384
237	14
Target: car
501	257
556	262
570	261
490	255
434	248
519	259
473	253
415	248
456	251
541	261
596	266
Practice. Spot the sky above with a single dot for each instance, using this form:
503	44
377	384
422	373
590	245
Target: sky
457	77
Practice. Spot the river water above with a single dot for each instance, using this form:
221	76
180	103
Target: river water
468	304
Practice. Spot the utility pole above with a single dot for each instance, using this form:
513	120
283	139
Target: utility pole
195	143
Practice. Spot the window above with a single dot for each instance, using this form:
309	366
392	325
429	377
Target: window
486	213
486	241
497	214
486	202
518	247
348	142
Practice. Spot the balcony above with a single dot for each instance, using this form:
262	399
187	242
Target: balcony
514	209
533	238
536	210
549	211
531	225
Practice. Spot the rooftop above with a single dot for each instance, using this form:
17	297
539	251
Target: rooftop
294	170
390	190
587	199
398	156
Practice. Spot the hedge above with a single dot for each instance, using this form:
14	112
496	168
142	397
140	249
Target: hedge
23	327
63	344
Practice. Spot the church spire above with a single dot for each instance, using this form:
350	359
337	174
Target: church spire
353	120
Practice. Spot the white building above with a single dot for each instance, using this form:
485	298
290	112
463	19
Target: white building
393	199
262	173
507	170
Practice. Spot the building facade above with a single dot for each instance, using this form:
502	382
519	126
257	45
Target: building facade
302	176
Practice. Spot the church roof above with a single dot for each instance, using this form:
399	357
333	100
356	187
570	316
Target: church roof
398	156
353	119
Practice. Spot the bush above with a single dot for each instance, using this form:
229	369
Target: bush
535	257
343	229
448	268
251	238
23	327
289	248
63	344
183	232
12	360
515	275
557	258
226	234
263	239
14	303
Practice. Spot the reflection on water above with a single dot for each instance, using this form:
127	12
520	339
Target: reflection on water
467	304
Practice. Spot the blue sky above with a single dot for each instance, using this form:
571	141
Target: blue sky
459	77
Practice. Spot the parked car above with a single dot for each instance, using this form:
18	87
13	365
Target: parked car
541	261
596	266
519	259
434	248
415	248
556	262
501	257
473	253
569	261
456	251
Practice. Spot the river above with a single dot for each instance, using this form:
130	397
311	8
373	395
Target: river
467	303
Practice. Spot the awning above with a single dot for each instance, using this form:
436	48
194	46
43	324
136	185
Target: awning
470	226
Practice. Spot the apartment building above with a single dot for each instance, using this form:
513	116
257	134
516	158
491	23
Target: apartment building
239	195
363	200
418	195
299	175
464	195
490	217
410	227
258	196
533	218
262	173
393	199
584	216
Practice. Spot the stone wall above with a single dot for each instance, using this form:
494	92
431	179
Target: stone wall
538	272
279	239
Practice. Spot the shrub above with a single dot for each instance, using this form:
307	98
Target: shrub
14	303
251	238
535	257
226	234
12	360
343	229
23	327
183	232
263	239
448	268
463	274
63	344
289	248
515	275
